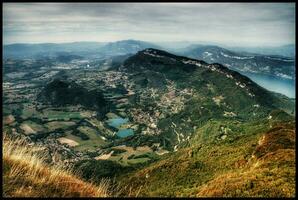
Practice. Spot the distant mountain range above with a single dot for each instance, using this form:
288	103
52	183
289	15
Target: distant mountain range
49	49
279	66
85	49
236	59
285	50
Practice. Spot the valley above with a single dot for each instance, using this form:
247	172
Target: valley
149	100
153	110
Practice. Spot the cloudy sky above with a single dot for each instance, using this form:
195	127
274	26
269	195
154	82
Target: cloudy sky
252	24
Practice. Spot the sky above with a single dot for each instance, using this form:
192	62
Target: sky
242	24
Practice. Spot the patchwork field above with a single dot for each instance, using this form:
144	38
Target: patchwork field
70	142
129	155
52	115
30	127
95	140
54	125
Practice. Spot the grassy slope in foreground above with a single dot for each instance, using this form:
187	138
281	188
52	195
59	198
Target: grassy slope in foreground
25	175
260	163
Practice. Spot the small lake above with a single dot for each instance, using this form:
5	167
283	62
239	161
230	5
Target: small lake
273	83
125	132
116	123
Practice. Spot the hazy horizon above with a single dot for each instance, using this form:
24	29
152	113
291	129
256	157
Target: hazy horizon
159	42
233	24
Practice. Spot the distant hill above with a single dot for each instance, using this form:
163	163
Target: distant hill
63	93
126	47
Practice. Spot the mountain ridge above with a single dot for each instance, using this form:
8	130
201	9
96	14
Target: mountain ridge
143	59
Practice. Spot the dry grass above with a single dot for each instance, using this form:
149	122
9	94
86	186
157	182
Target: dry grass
259	164
261	180
25	175
271	172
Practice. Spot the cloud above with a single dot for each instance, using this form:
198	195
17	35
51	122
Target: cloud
229	23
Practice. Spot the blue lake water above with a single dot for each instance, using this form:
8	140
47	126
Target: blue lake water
125	133
272	83
117	122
